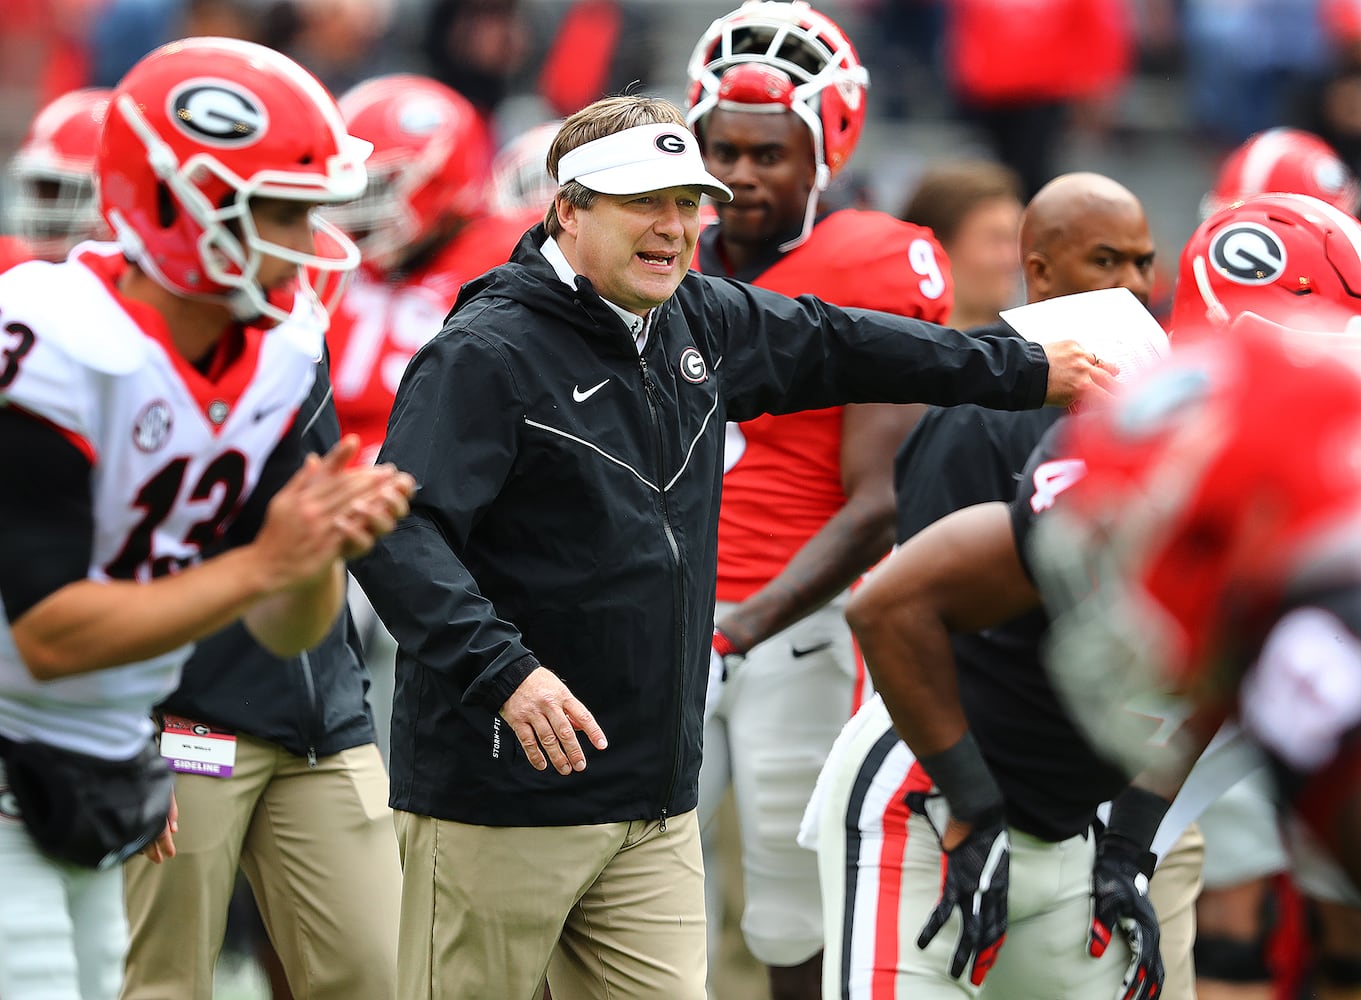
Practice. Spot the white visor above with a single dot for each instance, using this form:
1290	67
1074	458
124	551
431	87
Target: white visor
644	158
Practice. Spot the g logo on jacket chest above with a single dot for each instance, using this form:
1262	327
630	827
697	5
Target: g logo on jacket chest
692	366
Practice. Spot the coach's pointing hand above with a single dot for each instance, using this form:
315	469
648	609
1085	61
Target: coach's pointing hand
1074	372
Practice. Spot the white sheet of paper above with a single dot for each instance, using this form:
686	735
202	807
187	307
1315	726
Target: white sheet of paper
1109	322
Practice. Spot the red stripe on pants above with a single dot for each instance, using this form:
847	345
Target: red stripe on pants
883	981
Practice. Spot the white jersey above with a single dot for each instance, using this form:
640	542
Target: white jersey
173	456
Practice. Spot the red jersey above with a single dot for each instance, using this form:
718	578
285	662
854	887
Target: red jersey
380	324
783	473
13	250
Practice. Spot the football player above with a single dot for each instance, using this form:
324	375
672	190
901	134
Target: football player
1238	912
50	201
422	228
1213	518
777	99
520	181
962	574
149	390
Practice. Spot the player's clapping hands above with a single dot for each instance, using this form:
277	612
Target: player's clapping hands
327	511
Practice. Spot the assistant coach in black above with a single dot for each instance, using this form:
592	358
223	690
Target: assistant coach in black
566	429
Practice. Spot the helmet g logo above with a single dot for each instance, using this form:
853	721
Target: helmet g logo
420	117
218	113
692	366
1248	253
669	142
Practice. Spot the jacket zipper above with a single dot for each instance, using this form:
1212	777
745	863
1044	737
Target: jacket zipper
654	406
310	728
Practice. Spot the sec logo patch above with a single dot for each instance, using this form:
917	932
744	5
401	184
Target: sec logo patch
152	427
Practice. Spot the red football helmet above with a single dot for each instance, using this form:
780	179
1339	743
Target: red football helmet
1285	160
1288	258
519	174
197	129
52	203
816	74
1220	481
430	165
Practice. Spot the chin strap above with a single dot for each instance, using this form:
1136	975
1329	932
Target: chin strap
811	211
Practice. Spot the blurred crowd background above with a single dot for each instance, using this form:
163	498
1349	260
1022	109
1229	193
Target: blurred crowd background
1151	92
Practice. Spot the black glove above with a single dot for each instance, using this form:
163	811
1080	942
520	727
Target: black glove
977	873
1120	899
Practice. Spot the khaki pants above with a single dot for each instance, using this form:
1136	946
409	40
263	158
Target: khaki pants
612	910
318	849
1173	891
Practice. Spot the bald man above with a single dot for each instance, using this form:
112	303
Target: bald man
1080	232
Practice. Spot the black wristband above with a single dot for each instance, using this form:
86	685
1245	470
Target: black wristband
1136	814
961	773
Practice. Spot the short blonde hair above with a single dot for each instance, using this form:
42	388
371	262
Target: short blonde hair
595	121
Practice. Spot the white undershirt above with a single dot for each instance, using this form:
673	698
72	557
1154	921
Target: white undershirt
638	325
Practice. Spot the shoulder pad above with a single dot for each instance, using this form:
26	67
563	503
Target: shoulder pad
69	309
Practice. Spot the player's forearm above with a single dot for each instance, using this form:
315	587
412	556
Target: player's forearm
294	620
908	654
89	625
850	542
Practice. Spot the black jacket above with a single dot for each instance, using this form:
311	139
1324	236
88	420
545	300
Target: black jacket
567	515
312	705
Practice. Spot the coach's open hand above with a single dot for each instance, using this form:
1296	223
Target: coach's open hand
545	714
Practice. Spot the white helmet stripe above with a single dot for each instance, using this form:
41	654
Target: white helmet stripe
1262	157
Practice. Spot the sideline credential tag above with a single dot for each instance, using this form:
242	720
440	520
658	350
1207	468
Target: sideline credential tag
191	747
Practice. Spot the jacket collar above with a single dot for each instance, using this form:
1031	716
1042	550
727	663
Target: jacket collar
531	280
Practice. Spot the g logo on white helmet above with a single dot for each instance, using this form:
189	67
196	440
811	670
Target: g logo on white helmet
218	113
1248	254
692	366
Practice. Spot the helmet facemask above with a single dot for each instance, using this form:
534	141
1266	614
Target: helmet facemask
50	208
829	83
